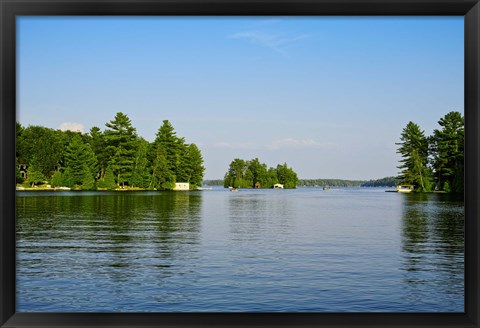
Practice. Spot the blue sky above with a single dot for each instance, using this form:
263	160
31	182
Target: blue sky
328	95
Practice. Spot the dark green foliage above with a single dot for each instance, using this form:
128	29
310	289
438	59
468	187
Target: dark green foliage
167	141
99	145
121	141
447	147
253	174
34	175
141	170
286	176
235	177
56	180
41	146
435	162
414	151
108	180
18	174
79	159
107	159
161	176
88	181
195	165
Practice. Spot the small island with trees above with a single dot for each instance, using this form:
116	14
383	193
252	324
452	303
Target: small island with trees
253	174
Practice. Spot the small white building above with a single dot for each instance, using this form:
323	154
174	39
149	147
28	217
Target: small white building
278	186
182	186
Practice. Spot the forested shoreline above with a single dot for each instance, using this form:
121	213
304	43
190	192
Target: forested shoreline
114	158
117	158
436	162
383	182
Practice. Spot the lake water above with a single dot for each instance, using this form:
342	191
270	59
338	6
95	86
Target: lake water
303	250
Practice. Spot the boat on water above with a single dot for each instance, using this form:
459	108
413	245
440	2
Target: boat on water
233	189
403	188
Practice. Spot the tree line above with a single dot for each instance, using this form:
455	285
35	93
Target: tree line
253	174
383	182
434	163
115	157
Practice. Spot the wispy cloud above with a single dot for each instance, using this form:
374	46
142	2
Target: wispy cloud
276	42
300	143
71	126
286	143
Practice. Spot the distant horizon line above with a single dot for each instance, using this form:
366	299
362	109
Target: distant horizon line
205	179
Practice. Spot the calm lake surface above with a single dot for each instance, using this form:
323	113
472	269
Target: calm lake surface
303	250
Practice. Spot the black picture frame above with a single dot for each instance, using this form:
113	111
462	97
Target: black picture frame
9	9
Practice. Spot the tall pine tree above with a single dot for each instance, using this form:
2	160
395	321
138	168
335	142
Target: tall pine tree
121	141
80	161
414	151
447	145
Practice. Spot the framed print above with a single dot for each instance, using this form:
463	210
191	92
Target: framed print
225	163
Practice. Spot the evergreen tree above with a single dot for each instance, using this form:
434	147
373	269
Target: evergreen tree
414	151
108	180
88	180
68	178
447	146
79	157
195	163
141	171
161	176
98	144
57	180
34	174
167	141
183	170
121	140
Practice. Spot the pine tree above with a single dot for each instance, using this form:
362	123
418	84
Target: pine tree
414	151
448	152
80	158
34	174
57	180
121	140
183	170
167	141
195	163
161	176
98	145
108	180
88	181
141	170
